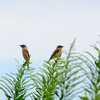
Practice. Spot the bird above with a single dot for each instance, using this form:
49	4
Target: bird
25	53
56	52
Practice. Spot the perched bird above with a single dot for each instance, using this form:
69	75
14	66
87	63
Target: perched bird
56	52
25	54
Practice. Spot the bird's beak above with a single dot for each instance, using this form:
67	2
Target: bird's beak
20	45
62	46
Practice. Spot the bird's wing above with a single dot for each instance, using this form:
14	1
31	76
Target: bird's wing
55	52
27	53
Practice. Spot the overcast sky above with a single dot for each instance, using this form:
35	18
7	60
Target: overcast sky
42	25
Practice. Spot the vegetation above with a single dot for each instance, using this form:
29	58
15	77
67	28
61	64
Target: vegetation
92	73
59	78
16	86
76	75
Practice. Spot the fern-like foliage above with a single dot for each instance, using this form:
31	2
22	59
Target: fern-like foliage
47	82
59	78
16	86
92	84
70	76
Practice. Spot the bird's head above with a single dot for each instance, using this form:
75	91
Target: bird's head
22	45
60	46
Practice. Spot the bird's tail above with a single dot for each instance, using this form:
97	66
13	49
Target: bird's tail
27	65
50	59
28	61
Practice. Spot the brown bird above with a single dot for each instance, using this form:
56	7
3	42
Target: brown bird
56	52
25	54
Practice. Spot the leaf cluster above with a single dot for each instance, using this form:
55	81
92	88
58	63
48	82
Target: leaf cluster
16	86
59	78
92	73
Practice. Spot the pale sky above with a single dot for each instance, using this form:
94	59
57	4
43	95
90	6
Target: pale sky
42	25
